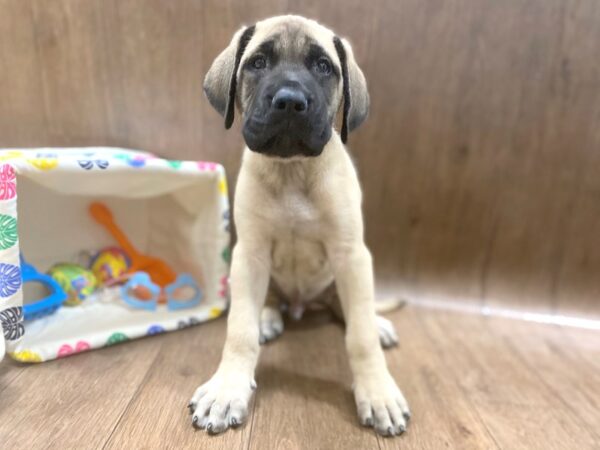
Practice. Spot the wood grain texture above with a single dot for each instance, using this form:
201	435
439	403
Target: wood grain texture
506	391
304	403
8	374
72	403
480	160
472	382
158	417
539	347
427	379
586	344
22	115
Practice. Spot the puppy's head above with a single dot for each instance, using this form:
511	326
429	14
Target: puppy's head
289	76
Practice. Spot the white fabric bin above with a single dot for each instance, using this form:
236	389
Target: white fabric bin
175	210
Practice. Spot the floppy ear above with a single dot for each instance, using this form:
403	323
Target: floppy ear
220	82
356	96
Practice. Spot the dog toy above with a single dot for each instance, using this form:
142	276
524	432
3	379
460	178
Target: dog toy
158	270
141	293
77	282
109	265
47	305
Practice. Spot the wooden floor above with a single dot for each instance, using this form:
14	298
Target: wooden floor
472	382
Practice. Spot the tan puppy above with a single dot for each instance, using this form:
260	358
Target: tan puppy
297	212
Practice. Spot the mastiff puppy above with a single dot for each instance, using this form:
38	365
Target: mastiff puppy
297	212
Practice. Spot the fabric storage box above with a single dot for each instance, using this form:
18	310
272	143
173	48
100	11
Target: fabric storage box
175	210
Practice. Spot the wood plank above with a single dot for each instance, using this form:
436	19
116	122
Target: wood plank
70	61
478	161
586	343
158	416
577	293
9	372
74	402
555	195
22	118
577	284
507	394
472	382
443	415
154	69
304	391
545	351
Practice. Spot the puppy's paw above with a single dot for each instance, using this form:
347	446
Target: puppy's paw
381	405
271	324
387	332
221	402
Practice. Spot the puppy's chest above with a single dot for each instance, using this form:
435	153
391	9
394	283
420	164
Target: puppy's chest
294	211
299	261
300	268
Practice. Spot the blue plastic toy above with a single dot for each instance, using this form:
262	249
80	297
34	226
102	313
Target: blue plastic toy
141	293
47	305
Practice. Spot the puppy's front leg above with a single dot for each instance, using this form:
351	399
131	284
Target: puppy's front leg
223	400
379	401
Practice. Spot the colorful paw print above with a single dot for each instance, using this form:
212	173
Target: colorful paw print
11	323
175	164
10	154
8	231
44	161
136	161
226	255
66	349
88	164
10	279
155	329
207	166
116	338
223	185
183	324
226	220
26	356
8	185
215	312
224	286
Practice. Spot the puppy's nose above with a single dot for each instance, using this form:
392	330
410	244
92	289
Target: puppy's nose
290	100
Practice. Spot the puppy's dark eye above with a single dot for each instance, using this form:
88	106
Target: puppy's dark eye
323	66
259	62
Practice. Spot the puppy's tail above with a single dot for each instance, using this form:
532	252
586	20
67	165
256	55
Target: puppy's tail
389	305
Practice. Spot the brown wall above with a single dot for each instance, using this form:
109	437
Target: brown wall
480	162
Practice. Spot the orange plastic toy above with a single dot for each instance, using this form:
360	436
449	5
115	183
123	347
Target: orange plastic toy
158	270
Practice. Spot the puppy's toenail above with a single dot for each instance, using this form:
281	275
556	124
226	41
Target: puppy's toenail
191	407
209	427
406	415
369	422
402	430
195	422
234	422
390	431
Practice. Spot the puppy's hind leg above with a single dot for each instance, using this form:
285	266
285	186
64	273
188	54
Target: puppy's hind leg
385	328
387	332
271	321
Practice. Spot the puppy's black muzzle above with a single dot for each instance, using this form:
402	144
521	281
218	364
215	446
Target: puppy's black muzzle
289	101
287	118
